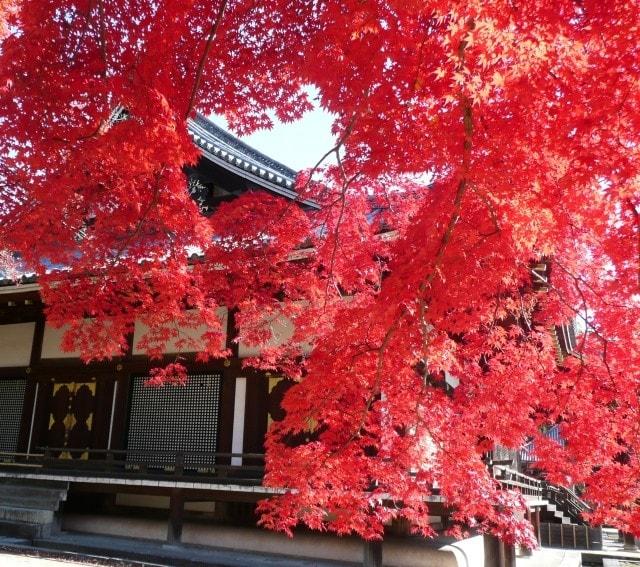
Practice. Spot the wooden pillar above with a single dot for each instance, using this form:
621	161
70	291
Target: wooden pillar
525	551
372	556
176	516
444	518
595	538
630	542
586	536
511	555
536	525
506	555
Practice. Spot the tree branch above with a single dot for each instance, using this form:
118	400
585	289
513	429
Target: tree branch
636	216
215	25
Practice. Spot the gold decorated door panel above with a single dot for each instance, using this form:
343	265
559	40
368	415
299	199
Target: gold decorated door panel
70	424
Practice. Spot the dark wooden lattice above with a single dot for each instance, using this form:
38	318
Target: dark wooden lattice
173	419
11	402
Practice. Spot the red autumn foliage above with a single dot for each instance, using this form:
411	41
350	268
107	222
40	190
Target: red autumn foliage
174	374
524	117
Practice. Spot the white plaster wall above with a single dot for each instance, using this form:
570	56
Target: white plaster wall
470	552
15	344
51	344
282	330
397	552
120	526
160	502
194	333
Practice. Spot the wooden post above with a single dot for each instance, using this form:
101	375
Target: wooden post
179	464
536	516
595	538
506	555
525	551
176	516
372	553
110	465
630	542
46	458
586	537
511	555
444	518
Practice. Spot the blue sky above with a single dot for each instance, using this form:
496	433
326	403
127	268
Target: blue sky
299	144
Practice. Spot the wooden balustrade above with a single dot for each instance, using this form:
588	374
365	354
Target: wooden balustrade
515	480
564	498
194	465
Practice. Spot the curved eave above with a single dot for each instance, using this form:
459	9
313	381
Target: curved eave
261	174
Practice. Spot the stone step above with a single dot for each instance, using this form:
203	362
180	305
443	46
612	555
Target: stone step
30	492
158	553
33	502
25	515
25	529
27	481
28	506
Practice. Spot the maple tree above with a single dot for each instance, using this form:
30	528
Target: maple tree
487	135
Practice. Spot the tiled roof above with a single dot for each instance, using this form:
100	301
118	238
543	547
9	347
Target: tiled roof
229	152
224	149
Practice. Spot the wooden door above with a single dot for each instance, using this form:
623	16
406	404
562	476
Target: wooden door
71	408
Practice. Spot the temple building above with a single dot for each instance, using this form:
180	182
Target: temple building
89	448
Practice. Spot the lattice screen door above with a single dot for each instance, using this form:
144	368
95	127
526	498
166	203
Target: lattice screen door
11	402
174	418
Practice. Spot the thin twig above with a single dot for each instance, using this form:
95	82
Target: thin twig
212	34
143	218
336	233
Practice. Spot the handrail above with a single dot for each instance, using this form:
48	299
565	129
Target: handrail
567	499
149	452
244	468
206	465
9	454
516	480
561	496
528	450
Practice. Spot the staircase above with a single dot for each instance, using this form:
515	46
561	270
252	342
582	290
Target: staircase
552	514
28	507
560	510
565	504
